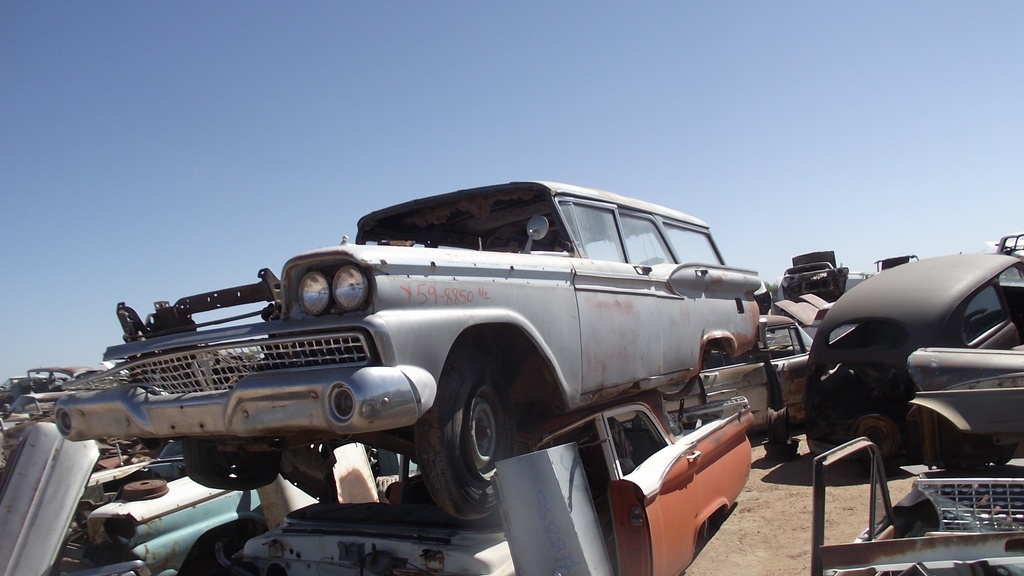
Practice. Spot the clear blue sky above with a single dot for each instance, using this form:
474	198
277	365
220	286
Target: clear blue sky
152	150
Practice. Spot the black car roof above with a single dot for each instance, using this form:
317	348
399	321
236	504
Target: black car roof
919	295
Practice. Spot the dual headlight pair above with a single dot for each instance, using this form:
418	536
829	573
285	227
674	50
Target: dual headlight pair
349	290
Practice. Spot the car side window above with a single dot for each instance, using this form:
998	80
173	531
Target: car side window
1013	276
644	243
984	312
692	245
594	230
780	343
634	439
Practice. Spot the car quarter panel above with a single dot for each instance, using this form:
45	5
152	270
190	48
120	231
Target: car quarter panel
686	483
665	333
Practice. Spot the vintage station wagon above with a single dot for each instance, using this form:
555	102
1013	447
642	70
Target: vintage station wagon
447	321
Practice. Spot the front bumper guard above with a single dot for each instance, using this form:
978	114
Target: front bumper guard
270	404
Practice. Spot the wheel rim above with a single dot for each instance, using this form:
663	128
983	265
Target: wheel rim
881	430
483	438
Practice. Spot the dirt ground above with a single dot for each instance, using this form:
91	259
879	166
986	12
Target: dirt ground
769	531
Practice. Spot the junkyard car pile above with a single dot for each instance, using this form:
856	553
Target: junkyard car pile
32	398
655	488
451	327
467	331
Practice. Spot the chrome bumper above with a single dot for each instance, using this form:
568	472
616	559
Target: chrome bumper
267	404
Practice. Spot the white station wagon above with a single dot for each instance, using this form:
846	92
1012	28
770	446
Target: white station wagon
449	320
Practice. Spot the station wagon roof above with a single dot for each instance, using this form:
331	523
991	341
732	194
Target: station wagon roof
527	187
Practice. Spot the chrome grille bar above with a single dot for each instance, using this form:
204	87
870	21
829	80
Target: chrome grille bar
976	504
220	367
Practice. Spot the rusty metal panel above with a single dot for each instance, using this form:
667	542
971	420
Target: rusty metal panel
942	549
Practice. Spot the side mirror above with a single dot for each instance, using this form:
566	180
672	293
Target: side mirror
536	229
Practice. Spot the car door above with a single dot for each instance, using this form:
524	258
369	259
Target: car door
661	497
747	376
789	347
634	325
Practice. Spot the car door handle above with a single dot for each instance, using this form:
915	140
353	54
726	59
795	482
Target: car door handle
692	457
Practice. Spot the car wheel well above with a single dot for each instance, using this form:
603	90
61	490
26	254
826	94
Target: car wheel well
709	527
530	377
723	345
201	557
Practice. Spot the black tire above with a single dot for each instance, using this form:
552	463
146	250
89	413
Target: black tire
229	470
469	428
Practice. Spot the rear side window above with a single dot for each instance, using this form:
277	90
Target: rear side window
644	244
781	343
984	312
868	334
692	246
634	439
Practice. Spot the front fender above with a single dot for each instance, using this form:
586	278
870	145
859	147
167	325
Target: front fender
425	338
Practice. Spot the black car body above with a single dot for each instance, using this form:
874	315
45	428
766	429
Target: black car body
857	378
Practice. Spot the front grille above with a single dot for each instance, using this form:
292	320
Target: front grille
220	367
976	504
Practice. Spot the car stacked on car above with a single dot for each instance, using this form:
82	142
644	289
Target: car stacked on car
450	320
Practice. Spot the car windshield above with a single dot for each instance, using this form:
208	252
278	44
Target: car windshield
489	220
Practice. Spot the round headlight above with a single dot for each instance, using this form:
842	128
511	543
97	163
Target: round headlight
350	287
314	292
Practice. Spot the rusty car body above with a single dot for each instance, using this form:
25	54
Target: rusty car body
776	385
656	488
967	408
158	515
449	319
858	383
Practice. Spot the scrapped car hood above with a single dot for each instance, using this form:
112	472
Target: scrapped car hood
43	483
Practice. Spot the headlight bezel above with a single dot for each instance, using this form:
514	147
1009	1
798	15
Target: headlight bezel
341	288
349	286
314	283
